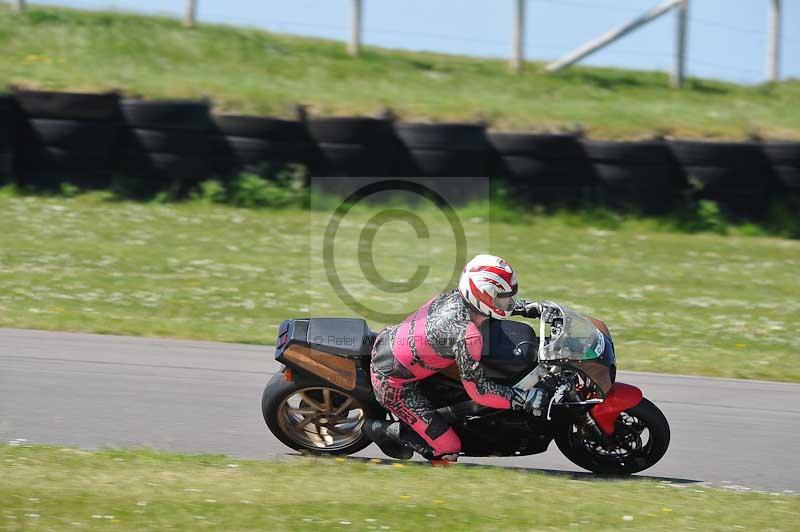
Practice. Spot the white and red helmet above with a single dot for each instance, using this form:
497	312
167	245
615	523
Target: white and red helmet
488	283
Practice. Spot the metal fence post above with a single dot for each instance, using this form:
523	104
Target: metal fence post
518	57
354	46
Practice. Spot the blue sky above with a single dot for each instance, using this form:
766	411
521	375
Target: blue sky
727	39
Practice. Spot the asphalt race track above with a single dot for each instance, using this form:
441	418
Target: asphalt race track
111	391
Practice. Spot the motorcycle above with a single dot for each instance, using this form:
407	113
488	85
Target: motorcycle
319	401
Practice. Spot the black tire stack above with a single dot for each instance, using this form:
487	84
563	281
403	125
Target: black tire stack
7	121
736	175
637	176
546	169
247	143
65	137
48	138
352	146
164	145
443	150
451	159
784	160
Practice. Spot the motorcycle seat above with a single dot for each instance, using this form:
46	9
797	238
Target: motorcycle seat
349	337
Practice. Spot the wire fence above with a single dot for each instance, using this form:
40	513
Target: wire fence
709	32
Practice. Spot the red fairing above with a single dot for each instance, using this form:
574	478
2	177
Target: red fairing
621	397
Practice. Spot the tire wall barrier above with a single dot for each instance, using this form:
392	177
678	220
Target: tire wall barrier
246	143
48	138
639	175
738	176
65	137
546	169
164	145
436	151
352	147
7	122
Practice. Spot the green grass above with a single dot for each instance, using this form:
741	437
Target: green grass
259	72
66	489
699	304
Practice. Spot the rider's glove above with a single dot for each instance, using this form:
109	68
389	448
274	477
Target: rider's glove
548	313
529	309
532	309
533	401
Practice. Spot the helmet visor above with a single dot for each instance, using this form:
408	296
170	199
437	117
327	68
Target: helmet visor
505	303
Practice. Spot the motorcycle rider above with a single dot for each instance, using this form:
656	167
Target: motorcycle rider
445	331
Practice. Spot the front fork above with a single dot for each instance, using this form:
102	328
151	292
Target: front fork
588	422
601	419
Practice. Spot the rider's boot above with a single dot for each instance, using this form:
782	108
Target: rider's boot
386	435
398	440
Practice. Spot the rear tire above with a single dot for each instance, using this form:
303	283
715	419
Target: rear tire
598	459
283	417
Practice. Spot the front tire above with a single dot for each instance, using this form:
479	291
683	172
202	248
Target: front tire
315	418
640	439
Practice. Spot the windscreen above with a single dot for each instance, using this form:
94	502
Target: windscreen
573	337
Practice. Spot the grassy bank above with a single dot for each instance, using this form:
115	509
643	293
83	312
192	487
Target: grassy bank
701	304
66	489
251	71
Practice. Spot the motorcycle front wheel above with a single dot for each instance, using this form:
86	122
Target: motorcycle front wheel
315	418
640	439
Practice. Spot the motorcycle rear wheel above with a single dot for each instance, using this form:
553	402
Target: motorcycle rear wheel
315	418
640	439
